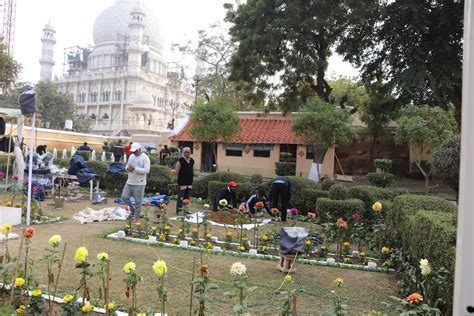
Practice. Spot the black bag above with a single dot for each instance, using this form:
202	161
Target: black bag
2	126
7	144
76	163
85	175
292	239
27	101
116	169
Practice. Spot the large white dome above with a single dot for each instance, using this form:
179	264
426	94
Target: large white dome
112	24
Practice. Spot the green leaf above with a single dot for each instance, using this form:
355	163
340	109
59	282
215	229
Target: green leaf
237	308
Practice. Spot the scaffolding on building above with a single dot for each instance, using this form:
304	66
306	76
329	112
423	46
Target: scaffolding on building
75	59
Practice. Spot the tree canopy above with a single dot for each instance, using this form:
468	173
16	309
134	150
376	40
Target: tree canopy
9	69
55	107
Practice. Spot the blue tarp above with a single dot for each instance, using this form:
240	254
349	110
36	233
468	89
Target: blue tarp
152	199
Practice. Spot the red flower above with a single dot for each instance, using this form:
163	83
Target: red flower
356	216
164	206
311	215
259	205
275	211
341	223
28	232
185	201
36	188
147	203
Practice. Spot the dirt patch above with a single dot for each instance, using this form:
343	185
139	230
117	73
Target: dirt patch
227	217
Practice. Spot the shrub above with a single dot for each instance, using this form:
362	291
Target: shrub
370	194
110	183
214	187
170	161
338	192
308	204
380	180
158	179
330	210
327	183
400	166
61	163
383	164
285	168
256	179
200	186
84	153
445	160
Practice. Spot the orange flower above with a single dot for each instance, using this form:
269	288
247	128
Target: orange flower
28	232
414	298
243	209
147	203
164	206
259	205
185	201
341	223
311	215
275	211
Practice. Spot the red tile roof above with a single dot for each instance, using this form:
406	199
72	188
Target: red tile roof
254	131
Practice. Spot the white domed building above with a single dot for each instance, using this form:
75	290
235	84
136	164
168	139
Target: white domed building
122	83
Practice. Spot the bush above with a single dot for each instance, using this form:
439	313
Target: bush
214	187
109	183
327	183
256	179
380	180
200	186
330	210
370	194
84	153
338	192
383	164
170	161
285	168
308	204
445	160
158	179
400	166
61	163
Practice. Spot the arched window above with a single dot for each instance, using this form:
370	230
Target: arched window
105	116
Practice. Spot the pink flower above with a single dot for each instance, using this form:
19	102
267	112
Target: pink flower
15	178
356	216
36	188
341	223
2	174
294	211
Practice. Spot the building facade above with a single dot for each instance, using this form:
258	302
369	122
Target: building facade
122	83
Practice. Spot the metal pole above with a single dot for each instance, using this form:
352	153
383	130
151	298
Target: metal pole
30	168
464	274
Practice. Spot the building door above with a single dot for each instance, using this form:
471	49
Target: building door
208	160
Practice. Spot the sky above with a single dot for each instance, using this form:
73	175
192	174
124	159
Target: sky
74	20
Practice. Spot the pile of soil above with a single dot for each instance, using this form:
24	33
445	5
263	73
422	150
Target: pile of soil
226	217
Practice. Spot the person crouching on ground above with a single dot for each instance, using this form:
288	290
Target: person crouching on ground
229	194
252	205
138	166
281	191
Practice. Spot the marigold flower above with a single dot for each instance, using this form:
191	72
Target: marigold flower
68	298
414	298
160	268
311	215
228	234
28	232
308	242
208	236
274	211
323	247
54	240
81	254
19	282
288	278
6	229
385	249
87	308
223	202
138	224
238	269
425	267
148	203
377	207
346	244
129	267
338	282
36	292
294	211
195	230
103	256
18	204
356	216
21	309
141	314
265	237
154	228
164	206
341	223
167	227
242	248
362	254
110	306
259	205
185	201
9	203
205	270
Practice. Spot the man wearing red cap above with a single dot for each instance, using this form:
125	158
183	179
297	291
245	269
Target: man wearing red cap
229	194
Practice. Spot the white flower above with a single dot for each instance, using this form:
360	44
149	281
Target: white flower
238	269
425	267
206	205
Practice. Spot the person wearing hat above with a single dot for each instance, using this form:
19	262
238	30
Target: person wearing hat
229	194
138	166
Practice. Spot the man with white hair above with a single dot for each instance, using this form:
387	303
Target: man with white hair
138	166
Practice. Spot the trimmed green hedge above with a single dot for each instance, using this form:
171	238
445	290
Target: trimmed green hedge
108	182
327	183
61	163
330	210
380	180
200	186
308	203
338	192
370	194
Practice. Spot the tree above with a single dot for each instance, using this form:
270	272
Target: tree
424	128
9	69
82	123
322	125
55	107
445	160
347	92
415	45
284	46
214	121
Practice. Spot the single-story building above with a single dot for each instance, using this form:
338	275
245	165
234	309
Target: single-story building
263	141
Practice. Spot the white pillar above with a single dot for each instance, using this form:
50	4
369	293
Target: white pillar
464	275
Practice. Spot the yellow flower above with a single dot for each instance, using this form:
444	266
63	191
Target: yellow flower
54	241
242	248
346	244
18	204
141	314
9	203
385	250
129	267
87	308
109	307
160	268
288	278
265	237
208	236
138	224
223	202
308	242
377	206
19	282
36	292
68	298
338	282
167	227
6	229
21	309
103	256
81	254
153	228
162	237
228	234
127	225
323	248
362	254
195	230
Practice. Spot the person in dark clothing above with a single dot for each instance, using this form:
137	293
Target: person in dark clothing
118	151
85	147
164	152
41	149
229	194
184	170
281	190
259	196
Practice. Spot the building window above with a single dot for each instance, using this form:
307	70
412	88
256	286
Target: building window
309	152
233	153
288	153
261	153
261	150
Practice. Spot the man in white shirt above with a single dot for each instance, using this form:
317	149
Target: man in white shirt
138	166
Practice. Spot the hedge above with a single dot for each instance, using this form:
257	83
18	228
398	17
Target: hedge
381	180
200	185
330	210
308	203
370	194
338	192
327	183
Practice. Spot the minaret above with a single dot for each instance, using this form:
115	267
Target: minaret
135	49
47	53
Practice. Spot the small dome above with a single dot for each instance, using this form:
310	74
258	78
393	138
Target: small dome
112	24
49	27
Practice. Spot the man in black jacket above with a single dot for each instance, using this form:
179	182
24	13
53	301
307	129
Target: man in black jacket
184	170
229	194
281	190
